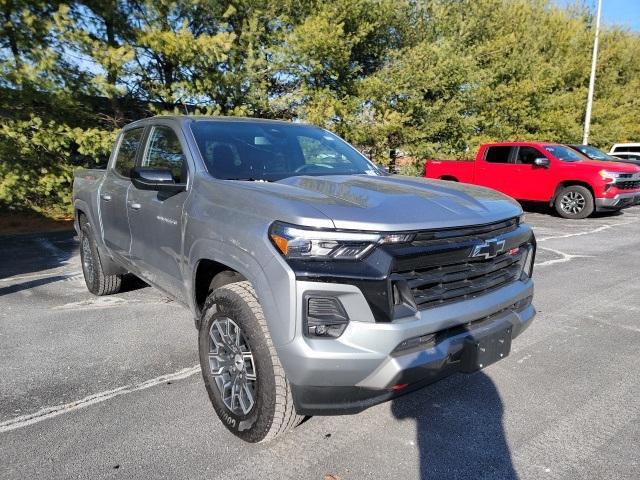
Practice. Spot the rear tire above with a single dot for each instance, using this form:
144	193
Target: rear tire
574	202
97	281
240	366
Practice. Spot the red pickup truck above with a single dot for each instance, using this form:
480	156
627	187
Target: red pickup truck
546	172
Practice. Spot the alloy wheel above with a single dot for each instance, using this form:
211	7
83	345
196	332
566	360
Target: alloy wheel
232	366
87	264
573	202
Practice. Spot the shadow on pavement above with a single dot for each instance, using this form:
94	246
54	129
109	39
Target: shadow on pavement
459	430
545	209
32	253
18	287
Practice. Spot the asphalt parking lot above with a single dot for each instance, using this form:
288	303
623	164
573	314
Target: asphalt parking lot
109	387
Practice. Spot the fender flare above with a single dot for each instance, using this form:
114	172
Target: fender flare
246	265
109	266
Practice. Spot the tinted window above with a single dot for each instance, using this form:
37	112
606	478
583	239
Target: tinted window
236	150
498	154
164	151
563	153
626	149
126	158
527	155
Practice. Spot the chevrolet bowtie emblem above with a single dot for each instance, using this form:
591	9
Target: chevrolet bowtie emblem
488	249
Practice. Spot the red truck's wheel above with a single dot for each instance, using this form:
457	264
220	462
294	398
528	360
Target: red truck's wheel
575	202
241	370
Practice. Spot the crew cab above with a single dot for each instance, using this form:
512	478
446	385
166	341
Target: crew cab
319	284
546	172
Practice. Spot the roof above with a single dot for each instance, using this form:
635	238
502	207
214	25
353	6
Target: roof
212	118
523	142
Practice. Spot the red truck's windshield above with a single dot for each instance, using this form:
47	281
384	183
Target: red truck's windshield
563	153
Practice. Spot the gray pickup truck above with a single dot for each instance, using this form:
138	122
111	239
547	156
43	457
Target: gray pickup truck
320	285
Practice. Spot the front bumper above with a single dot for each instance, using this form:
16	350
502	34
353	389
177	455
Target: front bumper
621	200
361	368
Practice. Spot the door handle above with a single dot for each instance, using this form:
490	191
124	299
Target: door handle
134	206
106	197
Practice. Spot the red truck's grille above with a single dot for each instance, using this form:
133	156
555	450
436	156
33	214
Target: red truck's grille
628	185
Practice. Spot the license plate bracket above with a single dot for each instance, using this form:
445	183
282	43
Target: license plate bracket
480	352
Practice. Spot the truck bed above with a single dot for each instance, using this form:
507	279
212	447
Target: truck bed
456	170
86	188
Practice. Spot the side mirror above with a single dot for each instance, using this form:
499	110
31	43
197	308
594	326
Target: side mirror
157	179
542	162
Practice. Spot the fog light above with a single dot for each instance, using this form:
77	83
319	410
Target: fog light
324	317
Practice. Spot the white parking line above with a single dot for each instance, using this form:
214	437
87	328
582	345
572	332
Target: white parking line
56	252
588	232
564	257
50	412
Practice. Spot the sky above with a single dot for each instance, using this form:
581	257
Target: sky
625	13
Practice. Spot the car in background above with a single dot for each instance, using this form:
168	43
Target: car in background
596	154
546	172
626	151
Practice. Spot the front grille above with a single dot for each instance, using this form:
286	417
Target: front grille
439	267
462	281
628	185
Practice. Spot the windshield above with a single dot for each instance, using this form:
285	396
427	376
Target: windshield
238	150
563	153
594	153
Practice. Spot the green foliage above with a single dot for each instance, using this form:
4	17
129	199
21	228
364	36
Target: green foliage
432	78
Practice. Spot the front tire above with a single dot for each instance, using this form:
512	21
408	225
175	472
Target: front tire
574	202
97	281
242	373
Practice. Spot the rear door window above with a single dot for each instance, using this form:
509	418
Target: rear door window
498	154
126	158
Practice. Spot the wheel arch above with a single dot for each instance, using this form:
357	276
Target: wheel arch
110	266
209	275
209	258
449	178
80	208
569	183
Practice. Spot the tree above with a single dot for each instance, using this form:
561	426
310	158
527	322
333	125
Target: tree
428	78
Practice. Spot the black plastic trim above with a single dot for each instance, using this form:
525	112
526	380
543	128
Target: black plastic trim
375	274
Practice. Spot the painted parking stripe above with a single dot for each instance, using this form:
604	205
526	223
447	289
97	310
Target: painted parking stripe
50	412
588	232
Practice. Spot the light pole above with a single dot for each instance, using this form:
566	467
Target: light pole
592	79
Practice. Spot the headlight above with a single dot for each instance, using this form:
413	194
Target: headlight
608	175
303	243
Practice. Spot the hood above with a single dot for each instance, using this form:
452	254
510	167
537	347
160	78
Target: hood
611	165
393	203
